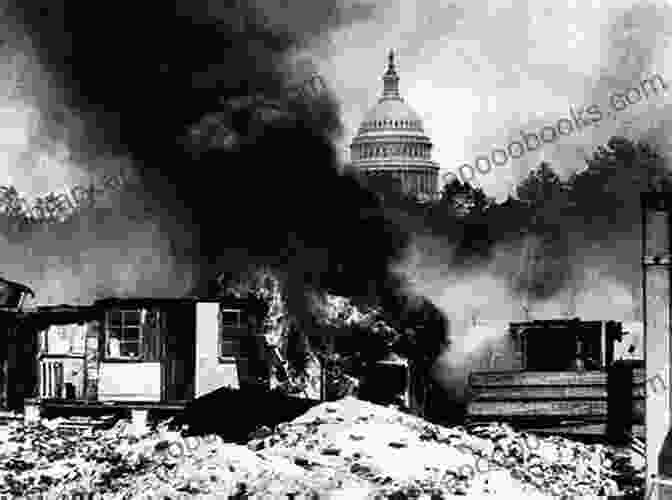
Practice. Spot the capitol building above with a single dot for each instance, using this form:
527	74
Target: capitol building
391	140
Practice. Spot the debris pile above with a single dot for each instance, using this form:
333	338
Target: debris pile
44	457
344	449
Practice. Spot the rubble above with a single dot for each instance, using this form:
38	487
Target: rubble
344	449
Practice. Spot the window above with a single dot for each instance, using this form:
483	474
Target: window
123	333
231	333
231	318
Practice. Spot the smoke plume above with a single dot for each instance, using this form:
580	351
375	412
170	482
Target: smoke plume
236	169
576	253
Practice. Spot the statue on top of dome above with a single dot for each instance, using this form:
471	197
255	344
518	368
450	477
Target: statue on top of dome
391	79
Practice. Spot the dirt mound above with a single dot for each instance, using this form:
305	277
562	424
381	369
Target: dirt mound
349	449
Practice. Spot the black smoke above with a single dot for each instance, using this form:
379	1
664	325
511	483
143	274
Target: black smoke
239	169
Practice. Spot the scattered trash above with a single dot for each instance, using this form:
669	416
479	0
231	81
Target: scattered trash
343	449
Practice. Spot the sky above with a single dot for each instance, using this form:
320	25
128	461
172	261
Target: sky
33	159
480	71
477	71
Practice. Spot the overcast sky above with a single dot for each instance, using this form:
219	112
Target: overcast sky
480	71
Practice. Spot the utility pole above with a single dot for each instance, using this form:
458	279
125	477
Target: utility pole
571	303
526	308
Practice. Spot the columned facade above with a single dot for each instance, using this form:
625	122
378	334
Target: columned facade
391	139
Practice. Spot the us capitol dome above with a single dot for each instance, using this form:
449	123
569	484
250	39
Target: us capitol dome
391	140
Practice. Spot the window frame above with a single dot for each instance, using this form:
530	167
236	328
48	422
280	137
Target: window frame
123	327
240	325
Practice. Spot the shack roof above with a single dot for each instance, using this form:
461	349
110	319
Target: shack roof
19	286
42	317
168	301
45	316
573	323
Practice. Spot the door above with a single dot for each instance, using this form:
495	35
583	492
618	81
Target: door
177	337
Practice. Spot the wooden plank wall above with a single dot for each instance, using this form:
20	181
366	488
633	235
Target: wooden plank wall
575	401
22	363
151	336
95	344
178	337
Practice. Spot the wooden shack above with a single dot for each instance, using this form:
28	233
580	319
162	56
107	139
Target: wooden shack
143	352
566	383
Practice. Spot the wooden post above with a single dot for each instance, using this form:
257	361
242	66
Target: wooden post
139	421
407	393
603	347
11	368
323	368
656	265
31	410
619	402
4	365
417	388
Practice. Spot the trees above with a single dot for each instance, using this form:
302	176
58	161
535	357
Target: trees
605	196
545	202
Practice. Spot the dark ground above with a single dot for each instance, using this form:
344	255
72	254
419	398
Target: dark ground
234	414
